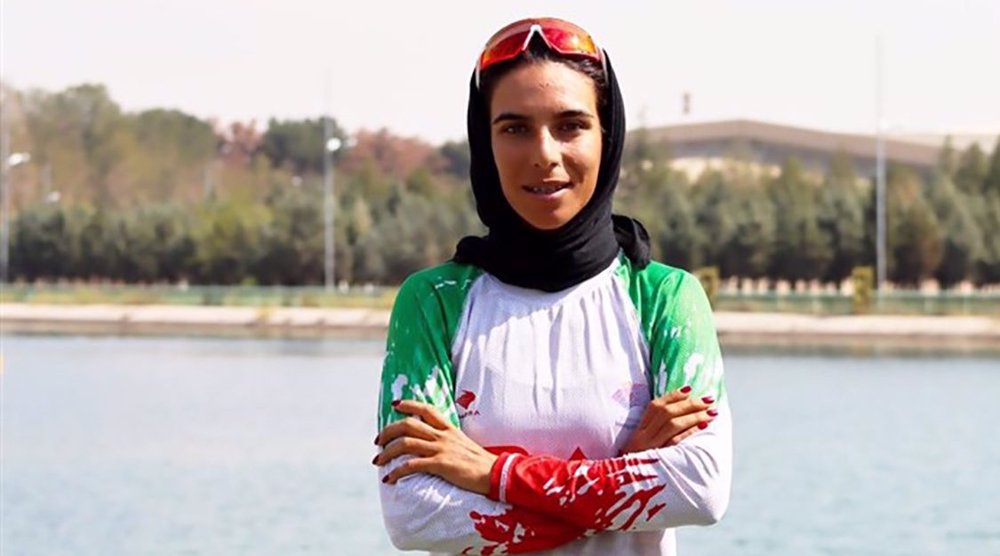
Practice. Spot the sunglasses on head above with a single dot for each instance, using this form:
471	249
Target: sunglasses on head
559	35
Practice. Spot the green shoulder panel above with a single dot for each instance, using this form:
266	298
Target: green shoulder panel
679	328
422	328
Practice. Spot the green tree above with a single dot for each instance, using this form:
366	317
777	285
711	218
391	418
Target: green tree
991	186
841	218
914	239
714	215
101	245
43	244
678	237
172	151
947	163
801	250
747	254
228	239
298	143
457	158
291	241
988	219
972	169
962	239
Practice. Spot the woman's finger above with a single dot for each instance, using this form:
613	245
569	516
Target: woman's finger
677	425
657	409
409	467
425	411
405	445
687	407
677	395
409	426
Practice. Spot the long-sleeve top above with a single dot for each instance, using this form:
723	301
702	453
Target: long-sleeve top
555	383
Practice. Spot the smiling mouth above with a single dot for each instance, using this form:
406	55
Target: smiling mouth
547	189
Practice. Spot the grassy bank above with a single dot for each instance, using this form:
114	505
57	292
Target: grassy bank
891	303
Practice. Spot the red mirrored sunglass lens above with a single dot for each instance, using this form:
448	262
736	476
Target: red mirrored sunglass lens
569	41
561	36
505	49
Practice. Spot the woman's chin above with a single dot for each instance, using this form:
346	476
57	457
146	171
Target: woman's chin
547	222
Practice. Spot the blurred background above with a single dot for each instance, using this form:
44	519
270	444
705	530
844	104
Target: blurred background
207	207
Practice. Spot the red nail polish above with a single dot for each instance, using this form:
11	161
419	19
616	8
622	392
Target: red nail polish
712	413
703	425
686	390
376	439
395	403
385	479
374	459
708	399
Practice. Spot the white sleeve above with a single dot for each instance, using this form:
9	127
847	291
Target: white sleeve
425	512
686	484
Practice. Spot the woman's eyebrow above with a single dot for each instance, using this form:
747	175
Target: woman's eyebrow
574	114
511	116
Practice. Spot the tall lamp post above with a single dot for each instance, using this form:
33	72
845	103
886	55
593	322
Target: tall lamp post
331	145
7	162
880	247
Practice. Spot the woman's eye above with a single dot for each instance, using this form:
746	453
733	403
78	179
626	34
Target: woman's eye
573	126
515	129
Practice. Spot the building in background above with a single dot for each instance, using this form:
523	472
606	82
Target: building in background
697	146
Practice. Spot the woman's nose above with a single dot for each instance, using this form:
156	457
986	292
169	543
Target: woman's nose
546	150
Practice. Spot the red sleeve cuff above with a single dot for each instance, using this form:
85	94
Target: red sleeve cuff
499	474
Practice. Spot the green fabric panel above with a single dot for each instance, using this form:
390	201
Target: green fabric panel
425	318
679	328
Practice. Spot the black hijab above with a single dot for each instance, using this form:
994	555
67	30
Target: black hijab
550	260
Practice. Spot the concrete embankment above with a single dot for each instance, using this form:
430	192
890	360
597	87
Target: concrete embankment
734	328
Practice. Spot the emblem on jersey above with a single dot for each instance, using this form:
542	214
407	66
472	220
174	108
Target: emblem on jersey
465	401
630	395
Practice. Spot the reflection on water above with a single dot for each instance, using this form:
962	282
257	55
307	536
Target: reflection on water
195	446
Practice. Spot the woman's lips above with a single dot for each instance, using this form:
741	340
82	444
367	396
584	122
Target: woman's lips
547	189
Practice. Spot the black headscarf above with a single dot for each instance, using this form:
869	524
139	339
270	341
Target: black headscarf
550	260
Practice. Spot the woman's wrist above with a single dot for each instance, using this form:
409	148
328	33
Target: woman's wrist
498	476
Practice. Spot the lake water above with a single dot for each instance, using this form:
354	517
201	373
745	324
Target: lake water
173	446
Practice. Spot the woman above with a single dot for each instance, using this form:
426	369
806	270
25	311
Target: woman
550	388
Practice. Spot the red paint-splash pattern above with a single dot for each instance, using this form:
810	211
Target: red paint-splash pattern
568	499
610	494
520	530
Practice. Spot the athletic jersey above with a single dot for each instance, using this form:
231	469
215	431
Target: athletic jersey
555	383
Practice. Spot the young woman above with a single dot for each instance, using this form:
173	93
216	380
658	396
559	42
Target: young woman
550	388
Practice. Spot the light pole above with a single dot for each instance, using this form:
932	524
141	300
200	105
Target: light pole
330	147
880	266
8	162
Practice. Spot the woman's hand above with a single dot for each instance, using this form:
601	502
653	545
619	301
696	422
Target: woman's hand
670	419
438	447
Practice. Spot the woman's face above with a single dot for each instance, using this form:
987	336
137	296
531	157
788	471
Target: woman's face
546	141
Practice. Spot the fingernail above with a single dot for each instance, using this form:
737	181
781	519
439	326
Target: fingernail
374	459
385	479
396	403
686	390
376	439
708	399
703	425
712	413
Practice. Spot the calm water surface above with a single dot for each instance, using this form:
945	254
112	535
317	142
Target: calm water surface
251	447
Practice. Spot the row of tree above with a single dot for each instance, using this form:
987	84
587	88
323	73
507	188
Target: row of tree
163	196
797	225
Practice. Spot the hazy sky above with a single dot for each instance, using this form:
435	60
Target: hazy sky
405	65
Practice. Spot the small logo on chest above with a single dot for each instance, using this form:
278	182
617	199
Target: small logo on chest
630	395
465	401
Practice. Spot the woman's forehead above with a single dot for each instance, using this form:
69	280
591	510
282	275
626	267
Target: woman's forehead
545	87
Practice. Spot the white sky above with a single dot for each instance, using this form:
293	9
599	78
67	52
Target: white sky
405	65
